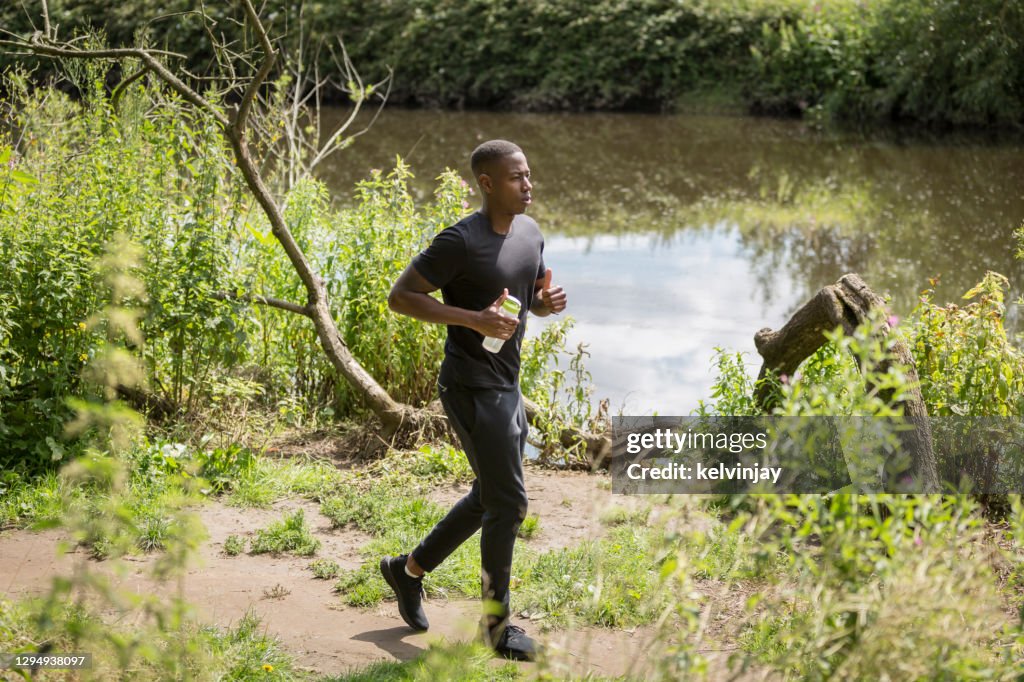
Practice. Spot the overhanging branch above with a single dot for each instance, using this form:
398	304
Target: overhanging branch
264	300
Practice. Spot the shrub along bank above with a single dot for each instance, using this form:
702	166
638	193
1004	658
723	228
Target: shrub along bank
928	61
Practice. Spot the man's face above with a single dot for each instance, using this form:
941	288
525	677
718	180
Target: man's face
507	183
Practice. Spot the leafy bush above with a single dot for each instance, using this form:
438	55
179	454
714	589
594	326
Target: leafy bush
933	61
162	181
563	398
375	242
967	364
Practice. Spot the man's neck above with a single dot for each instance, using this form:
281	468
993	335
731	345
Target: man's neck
500	222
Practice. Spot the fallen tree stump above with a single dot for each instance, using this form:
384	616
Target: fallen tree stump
848	303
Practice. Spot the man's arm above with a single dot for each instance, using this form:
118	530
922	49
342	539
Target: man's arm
410	296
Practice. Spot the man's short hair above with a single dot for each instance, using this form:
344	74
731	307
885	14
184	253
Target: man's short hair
491	151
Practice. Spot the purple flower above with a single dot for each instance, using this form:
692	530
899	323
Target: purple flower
893	320
784	378
465	204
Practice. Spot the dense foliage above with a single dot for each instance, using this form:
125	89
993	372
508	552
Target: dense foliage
81	177
931	61
966	363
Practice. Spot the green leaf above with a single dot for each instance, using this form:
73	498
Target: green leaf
24	178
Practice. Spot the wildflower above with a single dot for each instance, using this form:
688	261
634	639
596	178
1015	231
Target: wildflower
465	204
267	668
893	320
784	378
83	357
81	325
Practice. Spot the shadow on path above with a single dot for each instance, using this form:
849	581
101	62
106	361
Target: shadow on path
390	640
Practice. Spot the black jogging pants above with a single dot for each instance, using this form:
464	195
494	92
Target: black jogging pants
491	424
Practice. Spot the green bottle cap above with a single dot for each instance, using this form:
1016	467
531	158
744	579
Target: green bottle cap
512	306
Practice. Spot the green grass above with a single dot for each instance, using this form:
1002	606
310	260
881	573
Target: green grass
529	526
611	582
620	516
291	535
324	569
247	653
27	501
243	652
269	480
616	581
439	463
234	545
764	638
381	507
726	553
153	531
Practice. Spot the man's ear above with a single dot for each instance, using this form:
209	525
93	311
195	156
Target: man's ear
485	183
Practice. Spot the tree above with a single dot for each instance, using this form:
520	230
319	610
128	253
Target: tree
241	78
239	125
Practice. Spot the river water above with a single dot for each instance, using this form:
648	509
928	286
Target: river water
676	234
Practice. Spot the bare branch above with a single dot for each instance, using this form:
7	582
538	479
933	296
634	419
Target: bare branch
115	97
264	300
39	47
146	56
269	57
46	20
327	148
28	15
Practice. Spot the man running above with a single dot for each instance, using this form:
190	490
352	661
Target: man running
491	255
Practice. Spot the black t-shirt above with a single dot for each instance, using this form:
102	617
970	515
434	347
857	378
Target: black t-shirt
471	263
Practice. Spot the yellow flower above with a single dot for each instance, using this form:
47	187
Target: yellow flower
268	668
83	357
81	325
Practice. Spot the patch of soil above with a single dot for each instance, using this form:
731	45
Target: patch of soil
308	617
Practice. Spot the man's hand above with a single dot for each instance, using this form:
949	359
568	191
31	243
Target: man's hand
491	321
552	298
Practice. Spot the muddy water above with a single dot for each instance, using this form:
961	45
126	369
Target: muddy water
676	234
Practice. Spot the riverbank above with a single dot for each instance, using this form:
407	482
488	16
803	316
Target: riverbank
275	576
931	63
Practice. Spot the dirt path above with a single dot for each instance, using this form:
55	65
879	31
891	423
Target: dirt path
309	618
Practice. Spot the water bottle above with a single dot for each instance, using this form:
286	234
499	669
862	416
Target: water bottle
511	306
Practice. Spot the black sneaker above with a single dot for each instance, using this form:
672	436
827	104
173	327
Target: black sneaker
515	644
409	591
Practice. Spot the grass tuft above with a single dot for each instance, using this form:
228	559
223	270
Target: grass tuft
291	535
